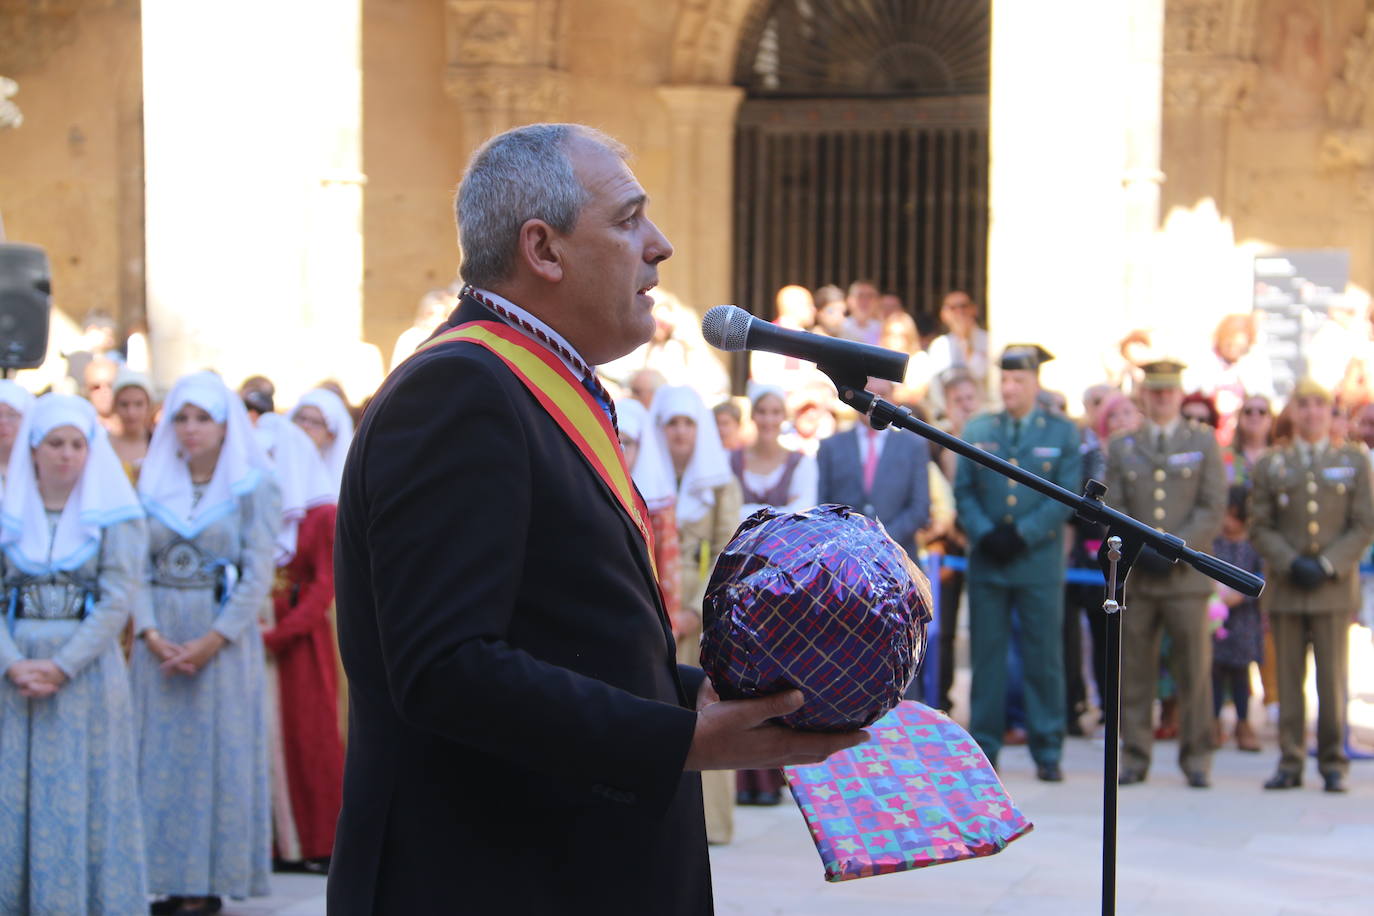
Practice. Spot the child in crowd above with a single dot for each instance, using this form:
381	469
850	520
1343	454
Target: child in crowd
1240	640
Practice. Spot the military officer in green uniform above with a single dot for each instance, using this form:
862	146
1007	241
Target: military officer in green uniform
1168	474
1312	520
1017	562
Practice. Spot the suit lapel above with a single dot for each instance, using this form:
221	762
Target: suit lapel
470	310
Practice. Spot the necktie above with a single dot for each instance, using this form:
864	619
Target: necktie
1159	441
871	461
598	391
1015	433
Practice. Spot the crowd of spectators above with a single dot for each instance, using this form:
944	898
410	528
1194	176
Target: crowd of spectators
790	420
704	460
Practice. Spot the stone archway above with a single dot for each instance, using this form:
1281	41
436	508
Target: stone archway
708	35
862	148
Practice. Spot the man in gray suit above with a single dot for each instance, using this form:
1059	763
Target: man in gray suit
882	473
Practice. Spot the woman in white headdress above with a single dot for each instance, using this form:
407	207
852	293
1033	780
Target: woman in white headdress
326	420
650	473
213	514
73	549
15	401
708	503
770	474
708	496
307	750
133	415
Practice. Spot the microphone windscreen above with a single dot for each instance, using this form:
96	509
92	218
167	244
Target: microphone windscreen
726	327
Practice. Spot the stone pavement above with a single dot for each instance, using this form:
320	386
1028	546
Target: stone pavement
1233	848
1230	849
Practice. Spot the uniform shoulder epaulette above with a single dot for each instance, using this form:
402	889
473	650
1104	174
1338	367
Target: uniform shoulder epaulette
1060	420
980	419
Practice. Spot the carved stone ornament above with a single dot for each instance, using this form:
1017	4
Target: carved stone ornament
707	37
502	32
536	93
492	33
1195	27
1345	97
1210	28
1207	86
1349	148
10	115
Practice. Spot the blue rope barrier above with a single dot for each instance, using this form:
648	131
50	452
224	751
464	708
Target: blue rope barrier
1077	575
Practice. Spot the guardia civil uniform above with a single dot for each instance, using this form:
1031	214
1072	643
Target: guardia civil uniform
1028	578
1312	504
1171	478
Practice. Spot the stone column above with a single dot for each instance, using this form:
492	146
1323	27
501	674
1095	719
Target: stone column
1074	121
698	214
1141	175
1200	96
252	213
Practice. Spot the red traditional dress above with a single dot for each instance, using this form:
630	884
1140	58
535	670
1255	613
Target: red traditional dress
302	647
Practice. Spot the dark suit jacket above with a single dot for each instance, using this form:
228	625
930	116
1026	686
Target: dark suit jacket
518	724
901	484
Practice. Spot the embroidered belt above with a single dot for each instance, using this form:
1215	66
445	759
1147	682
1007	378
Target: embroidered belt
181	564
56	596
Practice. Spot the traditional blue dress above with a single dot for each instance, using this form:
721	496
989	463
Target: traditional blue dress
71	833
202	739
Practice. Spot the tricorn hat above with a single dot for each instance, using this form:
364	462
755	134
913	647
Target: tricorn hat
1025	356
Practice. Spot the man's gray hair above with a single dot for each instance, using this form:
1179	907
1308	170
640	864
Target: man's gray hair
514	177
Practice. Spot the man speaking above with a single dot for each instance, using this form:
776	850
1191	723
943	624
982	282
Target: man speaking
521	739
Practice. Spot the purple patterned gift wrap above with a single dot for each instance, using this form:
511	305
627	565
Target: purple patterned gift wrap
823	601
919	793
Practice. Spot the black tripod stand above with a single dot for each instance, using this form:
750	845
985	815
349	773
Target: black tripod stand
1126	537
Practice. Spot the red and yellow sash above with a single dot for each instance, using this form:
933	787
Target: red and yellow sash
571	405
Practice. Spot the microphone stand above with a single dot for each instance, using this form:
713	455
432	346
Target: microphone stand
1126	537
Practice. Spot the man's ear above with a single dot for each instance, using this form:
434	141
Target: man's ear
538	248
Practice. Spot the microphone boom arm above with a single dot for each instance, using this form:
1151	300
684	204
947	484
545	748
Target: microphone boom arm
1089	506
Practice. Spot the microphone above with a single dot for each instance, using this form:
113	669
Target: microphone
731	328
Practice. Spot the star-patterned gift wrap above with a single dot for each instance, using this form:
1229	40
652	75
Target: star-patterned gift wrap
919	793
821	600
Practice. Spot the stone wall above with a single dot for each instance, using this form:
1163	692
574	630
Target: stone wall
1268	142
439	77
71	176
1267	136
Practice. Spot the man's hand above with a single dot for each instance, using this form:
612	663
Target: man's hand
1002	544
1152	563
736	735
1307	573
706	695
195	654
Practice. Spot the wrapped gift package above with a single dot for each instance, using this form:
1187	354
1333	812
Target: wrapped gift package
919	793
821	600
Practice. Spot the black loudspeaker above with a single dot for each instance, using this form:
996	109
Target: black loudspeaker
25	291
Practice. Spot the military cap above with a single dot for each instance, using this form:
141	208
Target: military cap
1164	373
1308	387
1025	356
